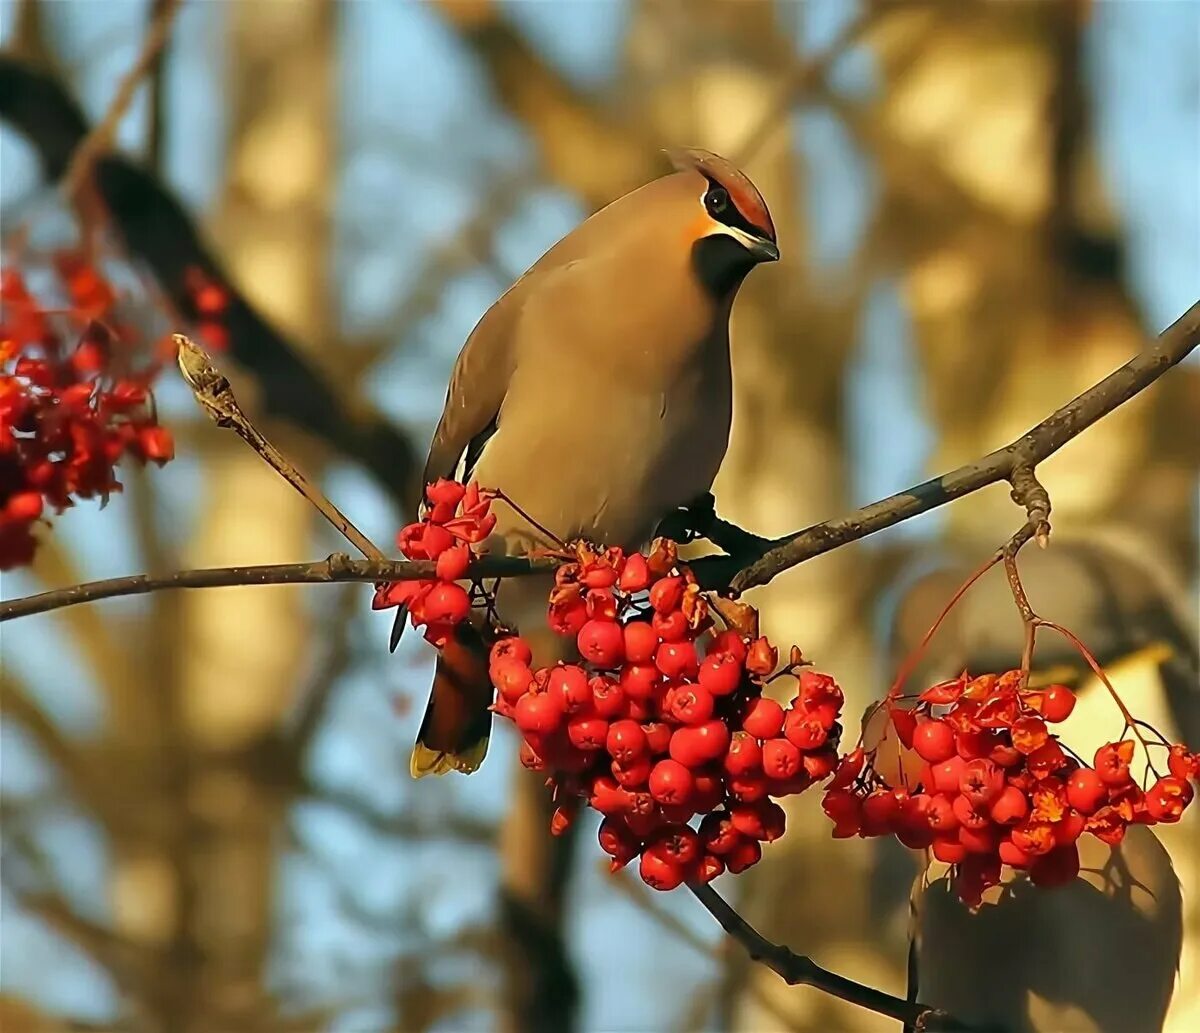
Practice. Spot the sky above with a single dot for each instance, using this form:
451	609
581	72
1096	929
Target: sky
416	123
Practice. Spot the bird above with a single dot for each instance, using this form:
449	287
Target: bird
597	395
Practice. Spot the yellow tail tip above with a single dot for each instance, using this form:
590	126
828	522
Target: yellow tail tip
425	761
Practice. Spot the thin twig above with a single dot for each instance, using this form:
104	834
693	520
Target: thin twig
800	970
215	396
100	138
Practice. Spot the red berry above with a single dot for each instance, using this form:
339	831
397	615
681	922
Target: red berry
638	681
1012	855
671	783
948	850
511	648
763	718
720	674
803	730
934	741
709	868
681	845
570	684
745	755
818	765
658	871
617	841
446	602
749	788
658	736
676	660
641	640
1112	762
981	782
942	818
626	741
730	642
512	678
978	841
967	815
691	705
780	758
717	834
1086	791
670	627
607	796
635	574
667	593
763	820
948	775
453	563
587	733
1034	838
745	854
634	774
1183	764
1010	807
24	506
709	791
1070	828
600	642
538	712
607	698
700	744
880	812
1057	703
1167	799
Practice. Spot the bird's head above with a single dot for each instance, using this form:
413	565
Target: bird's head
729	229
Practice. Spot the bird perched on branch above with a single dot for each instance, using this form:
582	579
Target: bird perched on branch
596	394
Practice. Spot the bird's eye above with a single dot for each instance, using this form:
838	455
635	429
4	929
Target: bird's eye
717	201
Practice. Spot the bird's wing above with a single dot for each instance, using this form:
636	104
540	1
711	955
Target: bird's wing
477	387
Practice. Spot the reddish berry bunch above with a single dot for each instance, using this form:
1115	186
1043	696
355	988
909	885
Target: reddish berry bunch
662	726
996	787
66	416
205	301
456	517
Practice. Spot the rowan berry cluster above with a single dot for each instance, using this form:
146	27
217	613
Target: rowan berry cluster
996	787
456	517
205	301
67	416
662	726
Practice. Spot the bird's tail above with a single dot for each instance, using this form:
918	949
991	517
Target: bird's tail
457	724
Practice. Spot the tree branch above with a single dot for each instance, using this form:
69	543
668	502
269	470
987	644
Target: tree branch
800	970
1037	444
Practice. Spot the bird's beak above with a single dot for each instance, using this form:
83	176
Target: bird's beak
762	249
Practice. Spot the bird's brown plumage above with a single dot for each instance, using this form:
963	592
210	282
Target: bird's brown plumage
596	393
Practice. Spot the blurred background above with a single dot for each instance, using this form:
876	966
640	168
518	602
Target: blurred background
208	822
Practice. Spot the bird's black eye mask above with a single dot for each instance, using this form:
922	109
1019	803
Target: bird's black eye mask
721	207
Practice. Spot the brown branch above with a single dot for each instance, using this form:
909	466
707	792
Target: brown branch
336	569
1039	443
155	229
800	970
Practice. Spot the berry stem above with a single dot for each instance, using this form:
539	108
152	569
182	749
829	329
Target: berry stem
913	658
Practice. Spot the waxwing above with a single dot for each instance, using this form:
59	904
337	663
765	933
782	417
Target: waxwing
596	394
